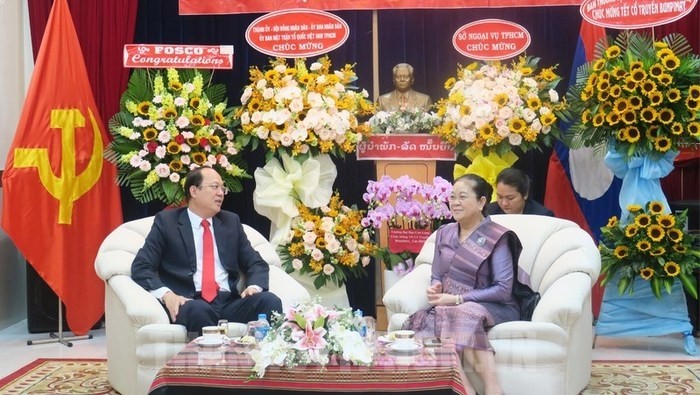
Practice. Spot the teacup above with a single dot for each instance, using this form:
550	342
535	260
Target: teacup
404	336
211	334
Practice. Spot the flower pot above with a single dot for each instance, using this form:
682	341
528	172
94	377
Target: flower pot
331	294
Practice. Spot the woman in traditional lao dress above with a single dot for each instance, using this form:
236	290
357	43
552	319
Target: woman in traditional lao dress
472	279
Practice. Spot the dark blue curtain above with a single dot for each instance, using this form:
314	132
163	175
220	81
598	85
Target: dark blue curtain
419	37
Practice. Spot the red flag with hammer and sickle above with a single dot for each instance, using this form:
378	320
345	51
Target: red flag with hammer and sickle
60	195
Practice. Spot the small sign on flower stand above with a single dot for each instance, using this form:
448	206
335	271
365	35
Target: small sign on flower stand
410	240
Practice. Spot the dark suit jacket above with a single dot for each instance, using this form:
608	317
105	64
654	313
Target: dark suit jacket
531	207
168	258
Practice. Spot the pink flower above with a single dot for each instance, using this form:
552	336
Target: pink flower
310	338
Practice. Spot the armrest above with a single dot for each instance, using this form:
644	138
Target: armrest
562	303
287	288
514	330
141	307
408	295
157	343
161	333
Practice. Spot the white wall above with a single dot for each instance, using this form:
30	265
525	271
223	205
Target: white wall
15	68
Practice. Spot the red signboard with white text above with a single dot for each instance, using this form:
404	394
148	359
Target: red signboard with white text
404	147
297	33
411	240
202	7
634	14
178	56
491	39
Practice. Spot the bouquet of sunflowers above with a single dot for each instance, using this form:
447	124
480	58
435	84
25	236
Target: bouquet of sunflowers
304	110
641	96
330	243
170	122
494	108
652	245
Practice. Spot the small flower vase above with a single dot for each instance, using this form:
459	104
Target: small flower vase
331	294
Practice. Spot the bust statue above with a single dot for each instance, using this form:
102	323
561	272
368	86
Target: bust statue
403	97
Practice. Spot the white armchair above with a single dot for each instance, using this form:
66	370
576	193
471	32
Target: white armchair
550	355
140	338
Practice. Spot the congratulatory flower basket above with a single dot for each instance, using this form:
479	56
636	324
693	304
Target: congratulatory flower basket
304	110
329	243
494	108
170	122
639	96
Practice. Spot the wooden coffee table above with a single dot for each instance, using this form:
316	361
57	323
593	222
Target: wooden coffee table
429	370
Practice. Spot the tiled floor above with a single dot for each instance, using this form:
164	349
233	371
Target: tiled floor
16	353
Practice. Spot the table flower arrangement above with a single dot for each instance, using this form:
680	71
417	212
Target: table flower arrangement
651	245
304	110
329	243
310	334
640	95
170	122
403	121
408	204
493	108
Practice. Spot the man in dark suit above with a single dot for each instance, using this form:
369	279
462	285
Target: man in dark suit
192	257
512	195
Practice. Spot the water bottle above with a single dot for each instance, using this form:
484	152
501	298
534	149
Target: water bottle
262	326
360	323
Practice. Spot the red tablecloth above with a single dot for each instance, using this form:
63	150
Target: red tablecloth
429	370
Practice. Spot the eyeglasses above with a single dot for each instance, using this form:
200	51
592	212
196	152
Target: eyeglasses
460	198
216	187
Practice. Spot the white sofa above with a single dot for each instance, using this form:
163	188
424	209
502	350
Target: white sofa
550	355
140	338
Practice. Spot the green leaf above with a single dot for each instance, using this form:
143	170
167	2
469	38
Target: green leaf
656	283
623	285
319	282
688	281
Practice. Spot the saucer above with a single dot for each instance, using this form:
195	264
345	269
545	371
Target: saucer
202	342
404	347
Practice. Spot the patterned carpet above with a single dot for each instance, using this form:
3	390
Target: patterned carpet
89	376
648	377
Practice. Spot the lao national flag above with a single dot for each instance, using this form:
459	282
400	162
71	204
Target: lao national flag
579	185
60	195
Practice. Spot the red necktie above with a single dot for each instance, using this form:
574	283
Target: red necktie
209	286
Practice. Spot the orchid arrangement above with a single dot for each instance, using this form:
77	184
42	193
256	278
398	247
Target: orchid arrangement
652	245
416	205
329	243
172	121
403	121
304	110
493	108
405	203
640	95
308	334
